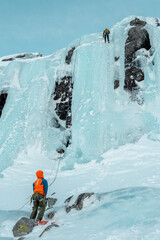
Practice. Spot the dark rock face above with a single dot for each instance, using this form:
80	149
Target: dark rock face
51	215
23	227
48	228
116	58
116	73
67	201
3	97
56	124
116	84
137	22
63	93
138	38
50	202
63	100
131	75
78	205
69	56
157	22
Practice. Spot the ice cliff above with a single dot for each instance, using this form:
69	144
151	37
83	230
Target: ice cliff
100	95
90	111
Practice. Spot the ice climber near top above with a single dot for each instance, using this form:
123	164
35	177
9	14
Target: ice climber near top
106	33
40	188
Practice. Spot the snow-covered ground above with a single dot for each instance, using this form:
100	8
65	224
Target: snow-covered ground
115	142
126	205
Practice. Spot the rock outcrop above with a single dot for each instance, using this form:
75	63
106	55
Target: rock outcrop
69	55
138	38
3	97
116	84
48	228
78	204
63	96
23	227
22	56
51	215
50	202
116	74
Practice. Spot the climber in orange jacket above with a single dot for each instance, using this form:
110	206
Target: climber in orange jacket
40	188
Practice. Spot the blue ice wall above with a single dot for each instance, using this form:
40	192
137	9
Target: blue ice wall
27	115
102	117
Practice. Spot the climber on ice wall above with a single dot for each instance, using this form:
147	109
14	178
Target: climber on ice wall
106	33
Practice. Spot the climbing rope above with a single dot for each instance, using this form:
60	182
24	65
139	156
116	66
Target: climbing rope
23	205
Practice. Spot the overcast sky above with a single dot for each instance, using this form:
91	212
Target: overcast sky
48	25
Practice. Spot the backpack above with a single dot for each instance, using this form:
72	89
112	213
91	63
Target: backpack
106	31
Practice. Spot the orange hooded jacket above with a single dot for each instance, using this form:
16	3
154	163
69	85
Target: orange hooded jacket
40	185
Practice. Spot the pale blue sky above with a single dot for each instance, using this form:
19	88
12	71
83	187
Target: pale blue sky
47	25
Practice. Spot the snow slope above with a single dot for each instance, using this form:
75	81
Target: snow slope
116	139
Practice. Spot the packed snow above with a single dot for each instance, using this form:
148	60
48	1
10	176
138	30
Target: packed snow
115	144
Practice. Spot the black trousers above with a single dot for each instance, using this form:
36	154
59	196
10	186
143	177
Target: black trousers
106	35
